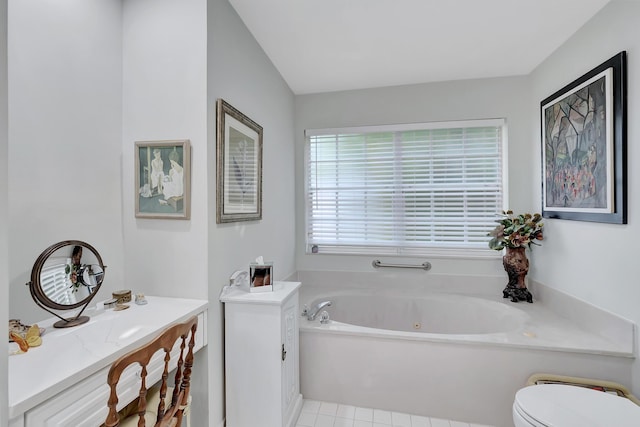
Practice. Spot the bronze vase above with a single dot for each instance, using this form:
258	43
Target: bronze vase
516	265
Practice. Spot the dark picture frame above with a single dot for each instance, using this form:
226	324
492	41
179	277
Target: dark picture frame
239	166
584	138
163	179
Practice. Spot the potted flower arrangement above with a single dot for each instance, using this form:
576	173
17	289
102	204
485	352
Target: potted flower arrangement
515	233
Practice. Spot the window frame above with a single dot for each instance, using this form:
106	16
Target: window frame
404	251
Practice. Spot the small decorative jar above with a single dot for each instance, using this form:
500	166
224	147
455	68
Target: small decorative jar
122	296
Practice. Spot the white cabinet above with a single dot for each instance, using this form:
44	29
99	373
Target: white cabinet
261	356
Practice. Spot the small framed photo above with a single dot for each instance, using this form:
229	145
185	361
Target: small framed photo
261	277
239	166
163	179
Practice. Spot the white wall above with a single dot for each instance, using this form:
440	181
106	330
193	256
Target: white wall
591	261
459	100
64	64
4	196
164	98
240	73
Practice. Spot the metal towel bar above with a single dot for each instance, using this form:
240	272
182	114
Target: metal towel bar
425	265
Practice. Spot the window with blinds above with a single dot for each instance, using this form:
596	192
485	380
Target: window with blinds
404	189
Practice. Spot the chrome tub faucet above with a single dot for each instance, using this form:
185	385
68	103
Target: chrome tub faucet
313	312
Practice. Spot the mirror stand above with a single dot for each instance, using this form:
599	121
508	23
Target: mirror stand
62	323
62	280
70	323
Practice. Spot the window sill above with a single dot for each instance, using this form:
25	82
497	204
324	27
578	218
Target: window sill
450	253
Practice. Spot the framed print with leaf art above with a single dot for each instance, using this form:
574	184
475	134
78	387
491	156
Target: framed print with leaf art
584	147
239	166
163	179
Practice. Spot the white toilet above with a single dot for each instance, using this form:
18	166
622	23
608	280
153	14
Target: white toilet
558	405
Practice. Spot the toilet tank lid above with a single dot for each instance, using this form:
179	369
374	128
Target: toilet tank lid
566	405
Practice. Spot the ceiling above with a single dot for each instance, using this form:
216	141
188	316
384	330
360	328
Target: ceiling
332	45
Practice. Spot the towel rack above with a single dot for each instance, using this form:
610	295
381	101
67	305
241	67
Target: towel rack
424	266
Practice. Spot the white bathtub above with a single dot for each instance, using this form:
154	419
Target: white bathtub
446	355
435	313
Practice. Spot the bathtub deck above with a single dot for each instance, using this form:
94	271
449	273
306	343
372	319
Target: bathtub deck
328	414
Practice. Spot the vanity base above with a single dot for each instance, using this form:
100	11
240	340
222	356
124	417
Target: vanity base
43	393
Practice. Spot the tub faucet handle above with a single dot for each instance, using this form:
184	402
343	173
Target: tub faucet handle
305	310
324	317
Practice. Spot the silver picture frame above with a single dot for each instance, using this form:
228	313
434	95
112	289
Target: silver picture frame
239	166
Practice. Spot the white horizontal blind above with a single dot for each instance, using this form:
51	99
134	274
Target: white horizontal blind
55	284
396	191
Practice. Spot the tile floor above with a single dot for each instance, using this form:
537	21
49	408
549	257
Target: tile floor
326	414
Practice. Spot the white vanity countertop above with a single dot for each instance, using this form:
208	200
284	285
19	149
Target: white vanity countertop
281	292
69	355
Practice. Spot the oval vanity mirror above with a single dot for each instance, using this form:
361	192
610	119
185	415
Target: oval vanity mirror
67	276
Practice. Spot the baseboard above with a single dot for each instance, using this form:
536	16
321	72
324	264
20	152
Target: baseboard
297	408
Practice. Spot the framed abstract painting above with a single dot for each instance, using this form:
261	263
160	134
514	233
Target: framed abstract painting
584	134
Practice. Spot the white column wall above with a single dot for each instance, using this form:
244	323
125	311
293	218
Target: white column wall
165	98
240	72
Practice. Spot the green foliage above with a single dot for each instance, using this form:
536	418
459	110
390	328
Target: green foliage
516	231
